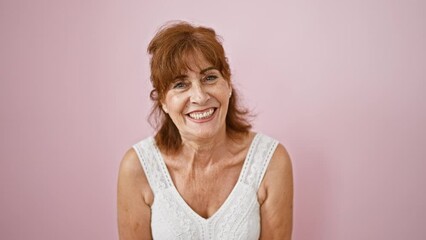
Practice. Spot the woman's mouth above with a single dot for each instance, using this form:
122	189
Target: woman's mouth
200	115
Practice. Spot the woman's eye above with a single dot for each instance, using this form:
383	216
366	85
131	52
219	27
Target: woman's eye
179	85
210	77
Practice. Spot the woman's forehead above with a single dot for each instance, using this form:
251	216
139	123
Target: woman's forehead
196	60
195	63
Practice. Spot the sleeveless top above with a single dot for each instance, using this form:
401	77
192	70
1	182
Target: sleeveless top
237	218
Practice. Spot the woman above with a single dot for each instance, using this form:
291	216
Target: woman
204	175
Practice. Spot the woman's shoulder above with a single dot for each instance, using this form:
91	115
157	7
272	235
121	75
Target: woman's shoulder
131	161
280	160
269	142
130	164
279	156
280	168
132	175
280	165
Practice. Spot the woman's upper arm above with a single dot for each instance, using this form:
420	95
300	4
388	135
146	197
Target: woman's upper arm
133	196
276	210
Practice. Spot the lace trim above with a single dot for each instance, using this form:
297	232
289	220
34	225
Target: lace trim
259	159
251	224
179	220
151	165
241	207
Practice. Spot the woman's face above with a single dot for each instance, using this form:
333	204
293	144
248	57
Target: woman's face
197	101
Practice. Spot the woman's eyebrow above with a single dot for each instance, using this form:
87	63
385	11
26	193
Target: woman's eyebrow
180	77
183	76
207	69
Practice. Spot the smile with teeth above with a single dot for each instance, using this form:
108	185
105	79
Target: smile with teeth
201	115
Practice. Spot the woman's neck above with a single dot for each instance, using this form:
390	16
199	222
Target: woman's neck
204	152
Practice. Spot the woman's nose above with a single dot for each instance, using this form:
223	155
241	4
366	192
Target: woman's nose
199	95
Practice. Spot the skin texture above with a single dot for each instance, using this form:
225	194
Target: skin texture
209	162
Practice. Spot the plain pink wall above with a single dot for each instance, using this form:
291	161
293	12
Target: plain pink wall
340	83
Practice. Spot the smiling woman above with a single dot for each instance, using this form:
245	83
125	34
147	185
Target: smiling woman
175	50
208	94
205	174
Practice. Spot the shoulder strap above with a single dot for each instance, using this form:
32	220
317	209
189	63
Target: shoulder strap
150	159
258	158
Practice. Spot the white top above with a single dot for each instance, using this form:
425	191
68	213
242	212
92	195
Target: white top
237	218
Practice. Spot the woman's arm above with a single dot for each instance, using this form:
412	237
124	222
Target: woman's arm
133	198
276	209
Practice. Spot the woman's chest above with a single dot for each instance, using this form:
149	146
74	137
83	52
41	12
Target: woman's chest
205	192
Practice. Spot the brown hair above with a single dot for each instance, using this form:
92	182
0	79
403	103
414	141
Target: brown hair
171	49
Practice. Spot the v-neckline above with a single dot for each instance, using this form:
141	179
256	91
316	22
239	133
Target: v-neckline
228	198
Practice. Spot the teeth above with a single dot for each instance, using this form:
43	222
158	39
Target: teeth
202	115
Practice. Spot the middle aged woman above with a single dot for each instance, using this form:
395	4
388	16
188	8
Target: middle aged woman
205	174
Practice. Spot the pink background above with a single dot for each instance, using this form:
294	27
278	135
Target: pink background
340	83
